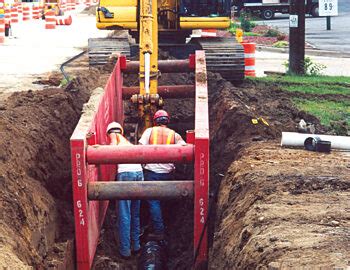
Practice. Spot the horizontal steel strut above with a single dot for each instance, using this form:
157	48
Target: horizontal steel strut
131	190
113	154
166	91
165	66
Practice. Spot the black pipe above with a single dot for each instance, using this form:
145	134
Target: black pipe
67	62
153	256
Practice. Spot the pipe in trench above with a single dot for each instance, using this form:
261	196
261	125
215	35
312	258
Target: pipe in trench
294	139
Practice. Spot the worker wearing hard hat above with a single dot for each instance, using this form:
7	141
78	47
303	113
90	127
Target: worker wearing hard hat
129	210
159	134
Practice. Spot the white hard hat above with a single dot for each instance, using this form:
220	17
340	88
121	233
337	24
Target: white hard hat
114	125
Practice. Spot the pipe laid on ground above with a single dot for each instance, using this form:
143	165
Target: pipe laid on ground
141	154
294	139
144	190
166	91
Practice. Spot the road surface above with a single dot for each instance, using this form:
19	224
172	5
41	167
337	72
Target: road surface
337	39
33	50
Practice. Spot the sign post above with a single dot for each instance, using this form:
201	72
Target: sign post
297	37
328	8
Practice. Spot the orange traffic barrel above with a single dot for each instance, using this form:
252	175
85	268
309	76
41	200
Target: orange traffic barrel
19	7
35	12
14	15
26	13
50	20
249	59
2	30
64	20
7	15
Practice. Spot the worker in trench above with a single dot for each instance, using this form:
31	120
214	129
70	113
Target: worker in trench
129	210
159	134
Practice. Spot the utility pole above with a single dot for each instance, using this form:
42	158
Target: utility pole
297	37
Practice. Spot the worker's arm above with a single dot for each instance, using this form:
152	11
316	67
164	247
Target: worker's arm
144	140
179	140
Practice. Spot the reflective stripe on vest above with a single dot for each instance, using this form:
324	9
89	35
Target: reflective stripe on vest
162	135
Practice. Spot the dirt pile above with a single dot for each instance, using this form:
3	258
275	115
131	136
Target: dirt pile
283	209
276	207
35	178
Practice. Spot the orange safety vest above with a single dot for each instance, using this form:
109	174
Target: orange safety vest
162	135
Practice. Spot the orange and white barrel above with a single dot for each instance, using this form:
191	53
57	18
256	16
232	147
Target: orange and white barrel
64	20
7	15
2	29
20	7
208	33
35	12
14	15
249	59
50	20
26	13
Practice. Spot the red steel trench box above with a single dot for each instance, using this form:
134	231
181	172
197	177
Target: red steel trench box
93	162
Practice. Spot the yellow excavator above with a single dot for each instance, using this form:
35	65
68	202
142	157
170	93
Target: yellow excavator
168	24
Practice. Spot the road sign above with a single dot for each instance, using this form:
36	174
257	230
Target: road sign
293	21
328	7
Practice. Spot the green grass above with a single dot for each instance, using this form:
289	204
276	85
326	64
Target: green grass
320	89
326	111
308	79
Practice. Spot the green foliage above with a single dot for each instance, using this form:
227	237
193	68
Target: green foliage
272	33
246	22
280	44
311	68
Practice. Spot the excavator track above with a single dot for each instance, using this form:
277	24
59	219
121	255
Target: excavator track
225	56
100	49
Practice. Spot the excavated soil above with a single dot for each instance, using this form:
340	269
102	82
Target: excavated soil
275	208
36	219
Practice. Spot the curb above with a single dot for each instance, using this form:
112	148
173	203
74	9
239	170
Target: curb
307	52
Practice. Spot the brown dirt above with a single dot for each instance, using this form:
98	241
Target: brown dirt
283	209
35	196
276	207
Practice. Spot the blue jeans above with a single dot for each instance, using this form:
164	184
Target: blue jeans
154	205
129	217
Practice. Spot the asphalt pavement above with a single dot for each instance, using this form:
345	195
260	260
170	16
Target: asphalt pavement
336	39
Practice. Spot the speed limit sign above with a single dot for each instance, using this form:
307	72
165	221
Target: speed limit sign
328	7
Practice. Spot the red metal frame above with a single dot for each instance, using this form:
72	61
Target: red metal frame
201	174
91	129
89	215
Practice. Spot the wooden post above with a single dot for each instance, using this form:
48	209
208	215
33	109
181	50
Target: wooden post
297	37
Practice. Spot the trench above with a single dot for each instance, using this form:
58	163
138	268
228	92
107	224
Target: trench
36	221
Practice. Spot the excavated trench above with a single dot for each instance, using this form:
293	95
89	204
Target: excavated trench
275	207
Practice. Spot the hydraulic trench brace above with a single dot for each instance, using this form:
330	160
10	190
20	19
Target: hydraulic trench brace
93	164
